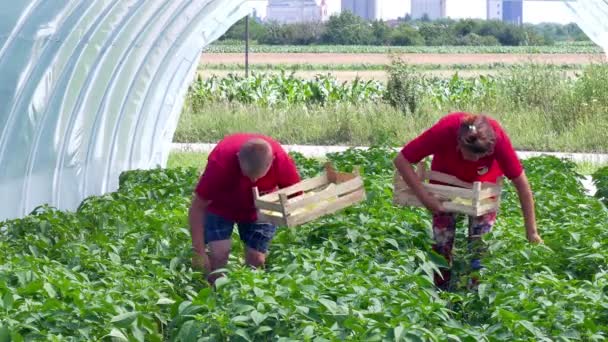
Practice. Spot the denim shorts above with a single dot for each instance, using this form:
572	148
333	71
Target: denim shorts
255	235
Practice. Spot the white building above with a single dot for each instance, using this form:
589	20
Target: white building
494	10
366	9
296	11
434	9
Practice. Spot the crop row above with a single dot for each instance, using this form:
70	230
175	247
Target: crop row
557	49
119	267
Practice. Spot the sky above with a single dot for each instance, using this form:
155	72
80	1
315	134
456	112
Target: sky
534	11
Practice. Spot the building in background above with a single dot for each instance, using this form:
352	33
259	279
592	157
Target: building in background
510	11
513	11
366	9
434	9
296	11
494	10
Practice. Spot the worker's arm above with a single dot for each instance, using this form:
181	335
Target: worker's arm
526	200
405	169
196	219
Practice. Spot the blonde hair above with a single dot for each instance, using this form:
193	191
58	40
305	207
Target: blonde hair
255	156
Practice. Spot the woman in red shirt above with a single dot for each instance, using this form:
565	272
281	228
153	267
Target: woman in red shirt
471	148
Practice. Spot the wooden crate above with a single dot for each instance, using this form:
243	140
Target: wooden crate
473	199
322	195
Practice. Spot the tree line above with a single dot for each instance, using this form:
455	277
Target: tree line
349	29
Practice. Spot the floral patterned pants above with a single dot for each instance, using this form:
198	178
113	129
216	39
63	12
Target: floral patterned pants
444	229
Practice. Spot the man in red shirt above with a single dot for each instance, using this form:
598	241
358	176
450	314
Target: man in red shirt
471	148
224	197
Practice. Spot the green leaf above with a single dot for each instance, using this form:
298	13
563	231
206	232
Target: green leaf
50	290
531	328
240	318
189	331
257	317
243	308
165	301
302	309
138	334
174	263
392	242
125	319
258	292
309	331
115	258
242	333
398	332
220	282
482	290
7	301
413	338
508	315
5	335
117	334
262	330
438	259
330	305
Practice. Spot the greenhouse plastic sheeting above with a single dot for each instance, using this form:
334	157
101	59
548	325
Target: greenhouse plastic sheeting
592	17
91	88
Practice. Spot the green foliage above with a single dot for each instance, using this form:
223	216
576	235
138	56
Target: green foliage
283	89
600	180
435	34
403	89
257	31
585	48
119	268
473	39
566	100
297	34
382	32
405	35
348	29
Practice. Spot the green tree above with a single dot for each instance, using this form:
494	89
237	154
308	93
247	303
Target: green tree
436	34
293	34
348	29
257	30
382	32
406	35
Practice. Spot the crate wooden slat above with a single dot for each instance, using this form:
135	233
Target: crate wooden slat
474	199
322	195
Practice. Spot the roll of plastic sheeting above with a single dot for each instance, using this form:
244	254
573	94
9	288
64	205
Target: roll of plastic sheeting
91	88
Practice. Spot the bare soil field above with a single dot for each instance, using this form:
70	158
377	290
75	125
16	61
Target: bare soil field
373	58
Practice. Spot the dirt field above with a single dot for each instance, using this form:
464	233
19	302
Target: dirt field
337	58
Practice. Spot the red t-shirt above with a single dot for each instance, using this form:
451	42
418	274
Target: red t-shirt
441	141
229	191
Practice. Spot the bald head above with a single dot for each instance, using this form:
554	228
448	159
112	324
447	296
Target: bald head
255	158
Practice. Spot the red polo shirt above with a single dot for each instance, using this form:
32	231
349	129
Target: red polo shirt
229	191
441	141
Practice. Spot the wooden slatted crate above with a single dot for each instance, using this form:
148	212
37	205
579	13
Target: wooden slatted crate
473	199
322	195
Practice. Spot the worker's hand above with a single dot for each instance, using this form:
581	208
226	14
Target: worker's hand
200	262
534	238
433	204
